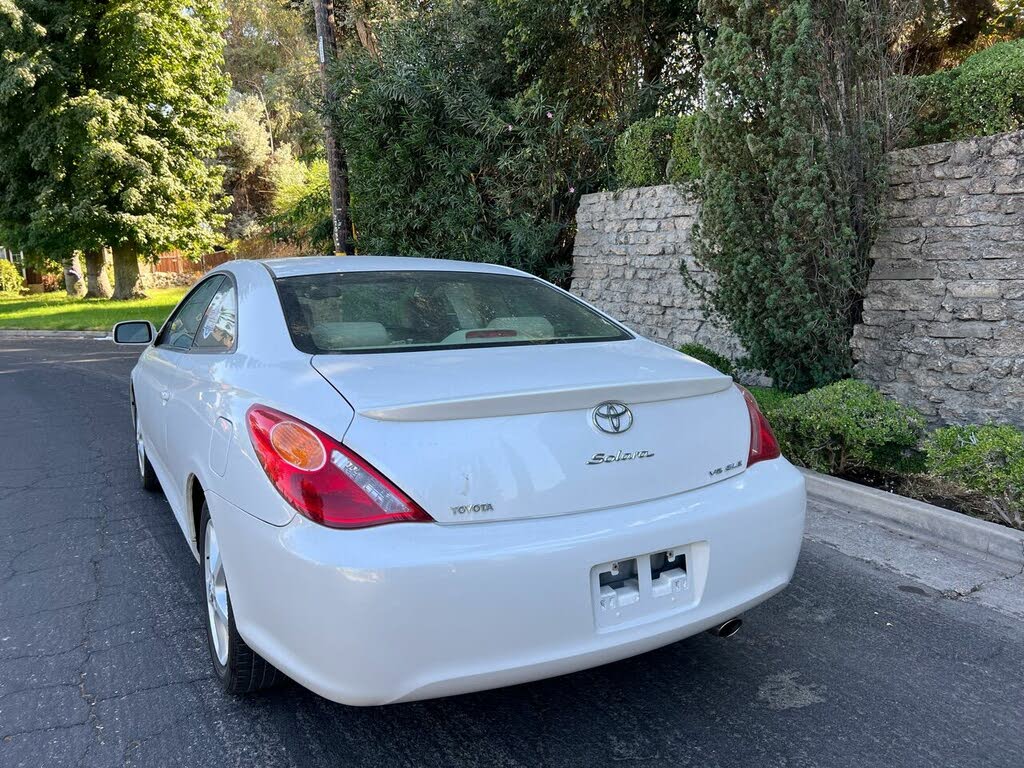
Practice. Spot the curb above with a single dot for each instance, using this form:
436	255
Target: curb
14	333
924	521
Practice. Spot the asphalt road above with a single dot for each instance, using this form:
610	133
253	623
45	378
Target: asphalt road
103	659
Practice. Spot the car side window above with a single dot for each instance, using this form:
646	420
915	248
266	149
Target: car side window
181	329
219	326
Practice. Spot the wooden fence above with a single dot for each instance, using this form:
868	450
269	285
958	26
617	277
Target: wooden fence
176	263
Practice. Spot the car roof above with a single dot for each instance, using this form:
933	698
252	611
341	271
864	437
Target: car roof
319	265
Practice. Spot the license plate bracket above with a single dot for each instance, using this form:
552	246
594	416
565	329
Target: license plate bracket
644	587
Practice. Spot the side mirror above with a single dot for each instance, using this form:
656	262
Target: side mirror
134	332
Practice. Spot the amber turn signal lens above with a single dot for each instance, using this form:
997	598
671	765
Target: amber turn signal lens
298	446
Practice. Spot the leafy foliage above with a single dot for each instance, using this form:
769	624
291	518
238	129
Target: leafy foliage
791	147
471	128
302	207
848	427
253	167
984	95
988	459
609	60
642	152
28	88
719	362
944	32
10	277
656	151
111	117
684	163
270	55
769	398
446	158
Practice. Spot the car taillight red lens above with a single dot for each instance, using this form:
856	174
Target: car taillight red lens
763	445
322	479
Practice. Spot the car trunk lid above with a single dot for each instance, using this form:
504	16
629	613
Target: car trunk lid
502	433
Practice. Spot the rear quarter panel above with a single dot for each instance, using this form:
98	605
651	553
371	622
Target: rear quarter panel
266	369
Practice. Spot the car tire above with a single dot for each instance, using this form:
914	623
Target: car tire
146	473
237	666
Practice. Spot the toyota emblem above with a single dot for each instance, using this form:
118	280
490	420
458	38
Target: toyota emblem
613	417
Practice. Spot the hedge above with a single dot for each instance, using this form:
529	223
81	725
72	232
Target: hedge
984	95
988	459
658	150
849	427
719	362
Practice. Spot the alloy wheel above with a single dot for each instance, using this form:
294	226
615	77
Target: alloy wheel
140	448
216	593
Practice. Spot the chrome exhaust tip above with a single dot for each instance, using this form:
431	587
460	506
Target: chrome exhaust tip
727	628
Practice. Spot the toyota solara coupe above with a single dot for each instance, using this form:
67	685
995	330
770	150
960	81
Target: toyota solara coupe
407	478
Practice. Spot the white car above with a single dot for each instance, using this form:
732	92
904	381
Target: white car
407	478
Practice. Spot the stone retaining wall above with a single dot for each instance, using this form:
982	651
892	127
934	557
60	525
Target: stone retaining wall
629	247
943	325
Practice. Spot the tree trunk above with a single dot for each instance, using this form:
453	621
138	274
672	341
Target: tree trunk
337	165
98	285
74	281
127	281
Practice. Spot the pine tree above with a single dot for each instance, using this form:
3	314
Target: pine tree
798	117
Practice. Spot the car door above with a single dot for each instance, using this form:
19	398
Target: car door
198	431
169	368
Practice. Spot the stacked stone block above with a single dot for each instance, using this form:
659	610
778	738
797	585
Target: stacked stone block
629	247
943	325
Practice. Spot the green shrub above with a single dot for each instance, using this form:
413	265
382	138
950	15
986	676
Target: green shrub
709	356
10	277
642	152
988	459
655	151
769	398
684	161
984	95
849	427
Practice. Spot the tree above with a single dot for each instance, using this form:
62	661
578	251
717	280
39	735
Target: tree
943	32
30	85
270	55
800	108
118	112
302	206
254	167
74	281
448	157
614	60
337	163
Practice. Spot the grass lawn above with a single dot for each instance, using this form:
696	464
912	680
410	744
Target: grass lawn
57	312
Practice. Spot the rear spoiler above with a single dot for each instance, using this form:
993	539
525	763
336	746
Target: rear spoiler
548	400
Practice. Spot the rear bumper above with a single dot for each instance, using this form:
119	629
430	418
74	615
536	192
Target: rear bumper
410	611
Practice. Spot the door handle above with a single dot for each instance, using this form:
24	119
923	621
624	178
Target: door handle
165	396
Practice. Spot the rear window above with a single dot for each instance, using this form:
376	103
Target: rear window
408	311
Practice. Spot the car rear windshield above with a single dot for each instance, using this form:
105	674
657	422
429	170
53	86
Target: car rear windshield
408	311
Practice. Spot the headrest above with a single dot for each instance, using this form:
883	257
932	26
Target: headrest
345	335
533	327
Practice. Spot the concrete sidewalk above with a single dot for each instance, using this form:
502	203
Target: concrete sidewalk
17	333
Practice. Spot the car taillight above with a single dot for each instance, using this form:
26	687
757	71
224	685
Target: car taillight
322	479
763	445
